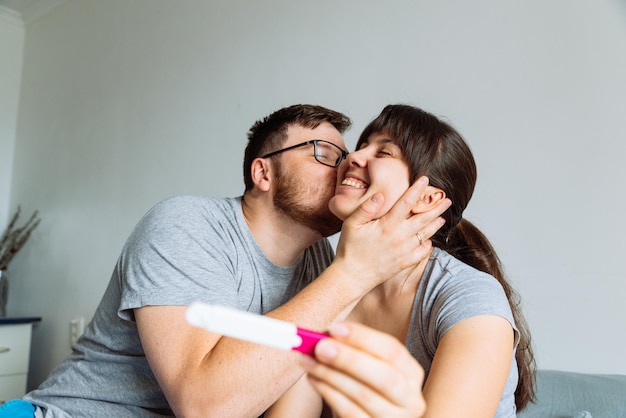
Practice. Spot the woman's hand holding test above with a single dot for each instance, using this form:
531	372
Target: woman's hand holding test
361	372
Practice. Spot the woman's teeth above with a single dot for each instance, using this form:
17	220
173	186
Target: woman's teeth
353	183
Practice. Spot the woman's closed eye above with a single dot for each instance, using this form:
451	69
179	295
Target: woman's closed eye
381	148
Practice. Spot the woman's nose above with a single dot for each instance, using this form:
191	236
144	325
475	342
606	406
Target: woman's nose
357	158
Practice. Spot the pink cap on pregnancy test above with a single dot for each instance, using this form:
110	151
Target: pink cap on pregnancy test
254	328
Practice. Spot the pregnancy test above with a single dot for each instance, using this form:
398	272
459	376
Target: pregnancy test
252	327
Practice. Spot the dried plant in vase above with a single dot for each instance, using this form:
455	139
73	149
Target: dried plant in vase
13	238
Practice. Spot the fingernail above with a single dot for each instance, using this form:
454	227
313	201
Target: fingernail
339	329
326	350
377	198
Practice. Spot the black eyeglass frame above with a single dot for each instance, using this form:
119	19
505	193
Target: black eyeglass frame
343	156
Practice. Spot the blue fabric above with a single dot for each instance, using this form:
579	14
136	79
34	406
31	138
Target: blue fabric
17	408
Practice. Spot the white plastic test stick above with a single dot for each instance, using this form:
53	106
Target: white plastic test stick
254	328
244	325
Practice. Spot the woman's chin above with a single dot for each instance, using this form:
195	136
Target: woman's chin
340	211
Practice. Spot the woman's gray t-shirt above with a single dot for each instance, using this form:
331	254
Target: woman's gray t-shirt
449	292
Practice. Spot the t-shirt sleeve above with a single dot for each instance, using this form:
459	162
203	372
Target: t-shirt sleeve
177	254
470	295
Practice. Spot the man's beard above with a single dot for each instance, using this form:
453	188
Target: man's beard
289	197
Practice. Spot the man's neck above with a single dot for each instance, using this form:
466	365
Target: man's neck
280	238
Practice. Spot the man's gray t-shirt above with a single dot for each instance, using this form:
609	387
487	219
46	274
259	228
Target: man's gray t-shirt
185	249
449	292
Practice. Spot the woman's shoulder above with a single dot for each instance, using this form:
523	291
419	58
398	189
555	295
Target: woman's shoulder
445	266
451	281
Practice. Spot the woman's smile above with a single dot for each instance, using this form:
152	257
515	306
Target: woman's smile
354	182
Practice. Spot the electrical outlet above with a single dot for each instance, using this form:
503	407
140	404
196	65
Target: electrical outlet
77	326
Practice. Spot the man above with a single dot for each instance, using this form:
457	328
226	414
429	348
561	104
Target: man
262	253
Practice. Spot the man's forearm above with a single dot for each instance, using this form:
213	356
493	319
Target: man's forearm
241	379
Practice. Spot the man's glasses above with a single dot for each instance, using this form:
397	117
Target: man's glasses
325	152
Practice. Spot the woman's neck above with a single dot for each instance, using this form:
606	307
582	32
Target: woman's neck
388	307
403	284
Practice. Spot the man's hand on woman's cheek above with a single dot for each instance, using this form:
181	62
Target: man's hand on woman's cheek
376	249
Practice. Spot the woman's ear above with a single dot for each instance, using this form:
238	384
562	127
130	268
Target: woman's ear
260	172
430	197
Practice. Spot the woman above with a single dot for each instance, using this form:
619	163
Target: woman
455	311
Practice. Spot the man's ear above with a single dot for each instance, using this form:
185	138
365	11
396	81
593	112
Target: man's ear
261	173
430	197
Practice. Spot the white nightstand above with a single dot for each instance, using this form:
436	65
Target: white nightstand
15	336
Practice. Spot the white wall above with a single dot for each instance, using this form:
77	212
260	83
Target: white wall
125	103
11	50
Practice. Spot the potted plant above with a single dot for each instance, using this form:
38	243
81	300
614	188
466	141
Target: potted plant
11	242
